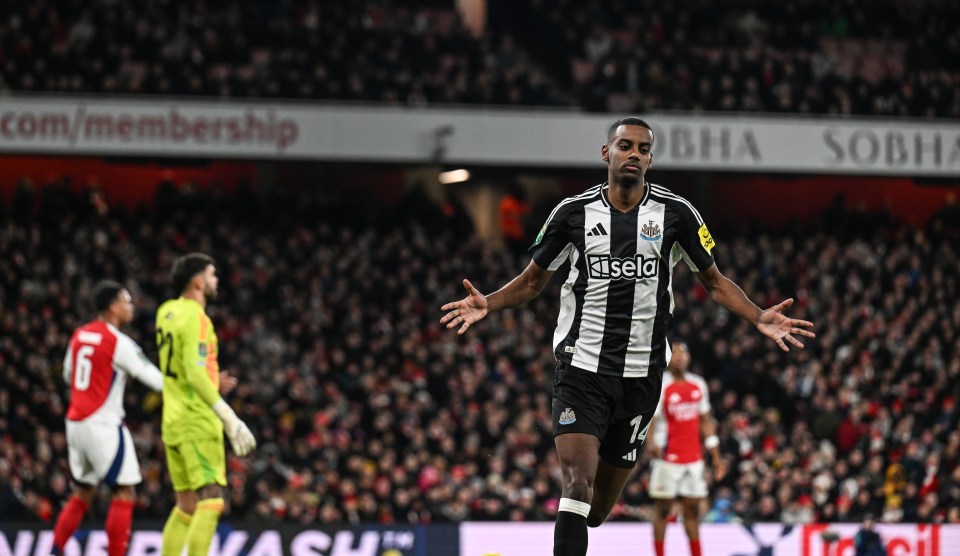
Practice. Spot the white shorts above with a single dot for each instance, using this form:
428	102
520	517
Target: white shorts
670	480
102	453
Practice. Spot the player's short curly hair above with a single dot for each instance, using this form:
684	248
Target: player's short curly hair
188	266
105	293
629	120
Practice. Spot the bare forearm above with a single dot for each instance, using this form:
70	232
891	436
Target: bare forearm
709	429
517	292
731	297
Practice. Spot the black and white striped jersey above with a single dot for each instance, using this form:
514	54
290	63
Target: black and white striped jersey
616	305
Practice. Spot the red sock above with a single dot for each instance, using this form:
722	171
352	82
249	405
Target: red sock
658	547
117	527
694	548
67	523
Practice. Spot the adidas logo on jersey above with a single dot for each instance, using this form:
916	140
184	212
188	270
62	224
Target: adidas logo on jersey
597	230
568	417
631	456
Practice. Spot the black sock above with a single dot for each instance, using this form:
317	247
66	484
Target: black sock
570	535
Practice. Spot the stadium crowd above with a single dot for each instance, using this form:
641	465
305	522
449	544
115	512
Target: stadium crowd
367	410
798	56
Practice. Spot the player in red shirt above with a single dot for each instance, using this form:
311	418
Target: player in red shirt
683	412
100	447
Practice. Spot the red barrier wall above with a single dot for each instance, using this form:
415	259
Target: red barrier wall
124	181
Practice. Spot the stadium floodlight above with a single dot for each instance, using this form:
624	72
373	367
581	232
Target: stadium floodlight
454	176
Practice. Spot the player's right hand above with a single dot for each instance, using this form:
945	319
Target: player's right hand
467	311
241	439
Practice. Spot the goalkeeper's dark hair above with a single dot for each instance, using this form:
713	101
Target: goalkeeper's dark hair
105	293
187	267
629	120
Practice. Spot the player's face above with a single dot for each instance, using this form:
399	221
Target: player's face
210	281
125	307
628	154
680	360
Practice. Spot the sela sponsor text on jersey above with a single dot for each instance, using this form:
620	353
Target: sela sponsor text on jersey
638	267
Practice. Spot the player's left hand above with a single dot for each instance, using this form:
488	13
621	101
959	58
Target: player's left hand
781	329
241	439
719	470
227	383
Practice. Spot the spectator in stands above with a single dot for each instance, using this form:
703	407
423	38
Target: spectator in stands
867	541
831	59
513	218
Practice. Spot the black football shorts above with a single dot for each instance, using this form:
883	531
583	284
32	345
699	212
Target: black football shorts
616	410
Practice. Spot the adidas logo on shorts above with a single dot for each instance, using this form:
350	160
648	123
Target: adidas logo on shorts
568	417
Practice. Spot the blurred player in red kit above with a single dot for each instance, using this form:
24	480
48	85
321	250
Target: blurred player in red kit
684	412
98	361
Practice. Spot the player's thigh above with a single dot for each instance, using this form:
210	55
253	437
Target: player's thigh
633	412
194	464
102	453
609	483
692	482
607	486
663	480
128	469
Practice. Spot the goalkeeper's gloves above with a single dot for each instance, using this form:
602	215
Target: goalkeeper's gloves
241	439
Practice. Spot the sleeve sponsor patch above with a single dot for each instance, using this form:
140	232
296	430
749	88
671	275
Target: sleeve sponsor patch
203	349
543	230
706	240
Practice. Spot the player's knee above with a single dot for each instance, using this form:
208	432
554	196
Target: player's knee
661	510
577	483
124	492
210	491
85	493
187	506
187	502
596	517
578	488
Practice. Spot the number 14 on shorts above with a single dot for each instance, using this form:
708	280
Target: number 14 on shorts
636	435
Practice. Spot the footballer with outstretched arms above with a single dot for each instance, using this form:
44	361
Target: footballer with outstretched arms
622	239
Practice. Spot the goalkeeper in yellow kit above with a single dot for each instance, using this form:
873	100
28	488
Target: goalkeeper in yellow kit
195	417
